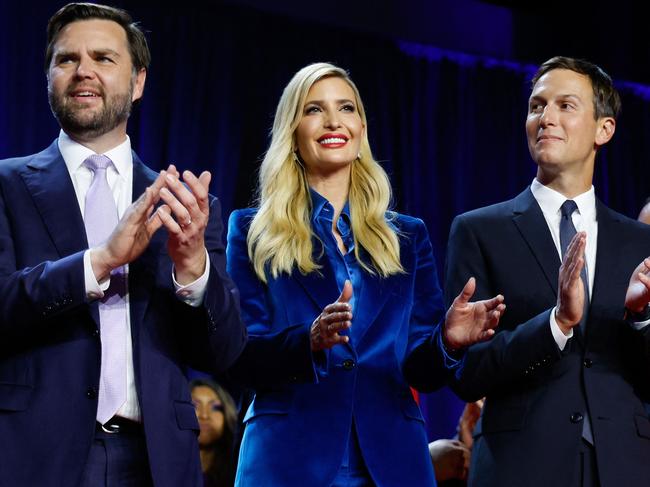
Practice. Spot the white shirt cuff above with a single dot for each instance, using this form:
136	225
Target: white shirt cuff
193	292
560	338
94	289
639	325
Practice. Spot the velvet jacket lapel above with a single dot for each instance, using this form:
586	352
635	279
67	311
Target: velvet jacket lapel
322	289
373	296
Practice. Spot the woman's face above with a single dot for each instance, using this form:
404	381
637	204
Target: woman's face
330	130
209	412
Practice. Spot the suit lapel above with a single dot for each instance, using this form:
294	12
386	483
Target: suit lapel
529	219
320	286
48	181
142	177
608	247
372	298
323	289
142	272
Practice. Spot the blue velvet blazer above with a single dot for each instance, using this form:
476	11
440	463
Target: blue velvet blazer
299	422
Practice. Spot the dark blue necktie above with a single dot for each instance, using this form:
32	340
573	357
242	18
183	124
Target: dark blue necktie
567	231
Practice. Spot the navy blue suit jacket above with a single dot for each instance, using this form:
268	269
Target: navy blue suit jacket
531	425
49	335
299	422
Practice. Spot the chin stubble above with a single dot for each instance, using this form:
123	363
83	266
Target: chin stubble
73	120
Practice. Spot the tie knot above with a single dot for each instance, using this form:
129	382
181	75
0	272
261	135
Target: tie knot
97	162
568	207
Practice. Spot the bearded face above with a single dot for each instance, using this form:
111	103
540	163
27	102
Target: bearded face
91	80
77	114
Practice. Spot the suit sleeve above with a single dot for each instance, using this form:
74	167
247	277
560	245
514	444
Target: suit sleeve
427	366
213	334
270	357
513	354
34	296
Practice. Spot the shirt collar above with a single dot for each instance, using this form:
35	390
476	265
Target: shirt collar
550	200
322	206
74	154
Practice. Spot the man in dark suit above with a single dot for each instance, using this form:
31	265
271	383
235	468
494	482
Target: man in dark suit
565	373
99	314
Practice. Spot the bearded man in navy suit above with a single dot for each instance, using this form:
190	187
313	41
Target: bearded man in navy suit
566	372
79	406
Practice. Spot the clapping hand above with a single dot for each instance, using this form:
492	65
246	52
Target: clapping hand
468	323
336	317
638	291
190	208
571	290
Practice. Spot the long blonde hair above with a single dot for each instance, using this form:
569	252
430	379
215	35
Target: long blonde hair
280	234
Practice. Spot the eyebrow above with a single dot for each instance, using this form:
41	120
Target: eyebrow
320	102
100	52
94	52
562	97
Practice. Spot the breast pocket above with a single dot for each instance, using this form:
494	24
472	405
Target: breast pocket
410	409
267	403
16	384
15	397
642	426
502	415
186	415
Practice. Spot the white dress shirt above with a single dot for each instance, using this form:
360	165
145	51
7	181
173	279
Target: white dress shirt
120	180
584	219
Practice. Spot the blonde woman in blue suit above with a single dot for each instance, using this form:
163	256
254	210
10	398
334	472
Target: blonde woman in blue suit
331	375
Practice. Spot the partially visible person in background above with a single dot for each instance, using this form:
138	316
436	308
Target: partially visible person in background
468	421
644	215
451	457
217	415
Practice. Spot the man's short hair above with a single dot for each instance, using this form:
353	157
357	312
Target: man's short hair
607	101
72	12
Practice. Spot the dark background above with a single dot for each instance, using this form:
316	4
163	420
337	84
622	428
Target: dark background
445	84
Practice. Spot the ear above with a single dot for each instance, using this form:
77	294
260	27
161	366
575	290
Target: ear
138	86
605	130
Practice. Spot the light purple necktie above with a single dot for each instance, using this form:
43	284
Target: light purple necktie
100	219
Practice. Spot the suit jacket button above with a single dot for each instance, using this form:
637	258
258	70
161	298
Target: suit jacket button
588	362
576	417
348	364
91	392
95	333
